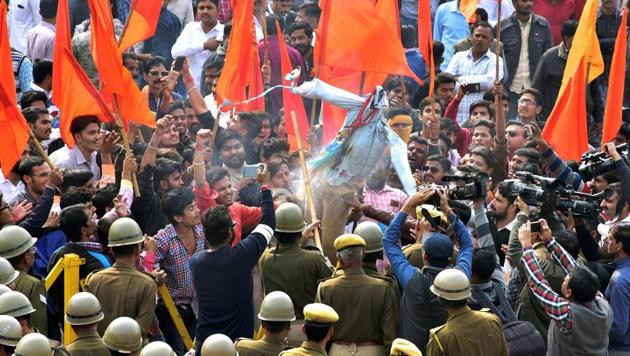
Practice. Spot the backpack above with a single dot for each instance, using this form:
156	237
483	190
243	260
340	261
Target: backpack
523	339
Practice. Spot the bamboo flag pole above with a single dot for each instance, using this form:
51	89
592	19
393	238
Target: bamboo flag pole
123	134
307	180
497	97
40	149
264	28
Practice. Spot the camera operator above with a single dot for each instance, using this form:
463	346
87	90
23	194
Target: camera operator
522	156
502	218
616	203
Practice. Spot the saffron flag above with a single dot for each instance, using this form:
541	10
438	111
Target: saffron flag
614	102
468	8
566	129
241	78
353	35
73	92
425	40
388	10
116	82
585	44
291	101
13	126
141	22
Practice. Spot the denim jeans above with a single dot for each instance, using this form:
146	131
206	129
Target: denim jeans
170	331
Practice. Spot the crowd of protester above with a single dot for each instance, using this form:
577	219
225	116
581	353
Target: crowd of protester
505	248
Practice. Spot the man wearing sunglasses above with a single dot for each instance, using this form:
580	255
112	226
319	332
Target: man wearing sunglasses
160	96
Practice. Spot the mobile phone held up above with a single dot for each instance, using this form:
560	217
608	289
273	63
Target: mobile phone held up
250	171
179	63
173	75
471	88
535	226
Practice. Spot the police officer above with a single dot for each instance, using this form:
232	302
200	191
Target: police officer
8	274
291	269
318	328
17	305
83	314
461	333
10	334
402	347
218	345
366	305
4	289
276	315
16	245
33	344
123	337
121	289
157	348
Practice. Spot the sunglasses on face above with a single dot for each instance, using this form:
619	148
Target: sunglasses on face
156	73
431	169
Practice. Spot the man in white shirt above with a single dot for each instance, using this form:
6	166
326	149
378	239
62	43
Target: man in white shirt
198	39
23	16
87	136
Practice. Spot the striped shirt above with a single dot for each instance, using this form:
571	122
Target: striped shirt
471	71
557	307
387	199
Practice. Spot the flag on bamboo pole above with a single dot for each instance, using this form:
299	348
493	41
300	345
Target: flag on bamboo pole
241	77
425	40
614	102
115	80
585	44
352	35
141	22
291	101
73	92
468	8
13	126
565	129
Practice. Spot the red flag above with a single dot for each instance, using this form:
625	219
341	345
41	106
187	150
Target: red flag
73	92
291	101
352	35
566	129
425	39
241	78
614	102
141	22
388	10
12	124
116	81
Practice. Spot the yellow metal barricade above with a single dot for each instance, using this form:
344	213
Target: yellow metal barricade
69	264
177	319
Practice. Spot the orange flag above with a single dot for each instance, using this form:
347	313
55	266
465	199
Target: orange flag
141	22
73	92
12	124
116	81
291	101
241	78
388	10
353	35
468	8
425	39
614	102
566	130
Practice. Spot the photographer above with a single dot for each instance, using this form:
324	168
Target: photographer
420	308
616	203
581	316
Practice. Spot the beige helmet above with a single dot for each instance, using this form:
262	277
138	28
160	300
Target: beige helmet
289	218
124	231
372	234
10	331
33	345
451	284
83	309
277	306
218	345
15	304
8	274
15	241
123	335
157	348
4	289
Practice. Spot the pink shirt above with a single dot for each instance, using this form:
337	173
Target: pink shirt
387	199
556	14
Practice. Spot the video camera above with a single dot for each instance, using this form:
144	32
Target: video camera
467	187
597	163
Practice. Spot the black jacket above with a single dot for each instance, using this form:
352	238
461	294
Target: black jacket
540	40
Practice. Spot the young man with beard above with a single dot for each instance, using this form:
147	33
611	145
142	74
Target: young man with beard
417	152
502	218
301	34
199	39
232	155
176	245
87	137
40	123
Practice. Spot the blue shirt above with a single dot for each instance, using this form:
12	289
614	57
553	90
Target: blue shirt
618	295
403	269
449	27
417	66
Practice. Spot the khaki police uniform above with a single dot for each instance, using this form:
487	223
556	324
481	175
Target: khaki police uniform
308	348
367	311
468	332
123	291
35	290
267	346
88	344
